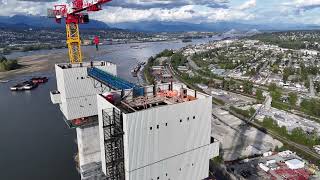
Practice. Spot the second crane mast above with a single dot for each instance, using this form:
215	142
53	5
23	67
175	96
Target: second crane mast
75	14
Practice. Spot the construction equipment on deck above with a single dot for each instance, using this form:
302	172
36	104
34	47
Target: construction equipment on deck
75	14
114	82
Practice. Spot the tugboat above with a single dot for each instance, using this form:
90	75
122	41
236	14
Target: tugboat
39	80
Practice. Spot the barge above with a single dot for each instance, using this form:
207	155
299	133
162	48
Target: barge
39	80
27	85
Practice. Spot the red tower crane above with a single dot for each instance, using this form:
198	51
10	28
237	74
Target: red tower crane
75	14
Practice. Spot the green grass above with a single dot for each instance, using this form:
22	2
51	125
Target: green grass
218	101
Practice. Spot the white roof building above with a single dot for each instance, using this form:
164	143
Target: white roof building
295	164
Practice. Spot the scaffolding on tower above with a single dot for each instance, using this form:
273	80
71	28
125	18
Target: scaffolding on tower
113	142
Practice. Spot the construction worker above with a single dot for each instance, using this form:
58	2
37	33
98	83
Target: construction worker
96	42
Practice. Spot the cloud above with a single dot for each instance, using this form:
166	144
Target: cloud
300	6
27	7
13	7
194	11
147	4
188	13
39	0
248	5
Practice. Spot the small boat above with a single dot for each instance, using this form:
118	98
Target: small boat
29	85
4	81
39	80
135	70
134	46
186	40
16	87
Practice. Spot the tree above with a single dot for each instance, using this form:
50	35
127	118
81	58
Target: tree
252	111
293	98
276	95
2	58
248	87
7	65
226	84
286	73
283	131
178	59
259	95
311	107
272	87
165	53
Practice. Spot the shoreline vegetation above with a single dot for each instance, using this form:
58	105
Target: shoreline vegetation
8	65
9	50
31	64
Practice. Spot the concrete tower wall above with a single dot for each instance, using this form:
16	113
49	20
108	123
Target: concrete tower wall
163	132
166	142
77	91
88	145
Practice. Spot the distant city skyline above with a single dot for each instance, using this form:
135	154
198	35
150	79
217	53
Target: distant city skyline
191	11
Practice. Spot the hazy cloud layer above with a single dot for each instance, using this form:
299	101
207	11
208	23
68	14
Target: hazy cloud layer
188	13
195	11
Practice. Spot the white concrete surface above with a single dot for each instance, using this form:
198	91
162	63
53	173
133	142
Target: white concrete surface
77	91
166	142
239	140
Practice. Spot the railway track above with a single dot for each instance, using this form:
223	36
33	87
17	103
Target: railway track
280	138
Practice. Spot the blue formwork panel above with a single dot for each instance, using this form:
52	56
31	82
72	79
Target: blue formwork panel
114	82
138	91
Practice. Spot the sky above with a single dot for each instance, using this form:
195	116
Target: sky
191	11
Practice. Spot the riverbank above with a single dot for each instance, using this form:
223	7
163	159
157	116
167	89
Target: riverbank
34	63
43	62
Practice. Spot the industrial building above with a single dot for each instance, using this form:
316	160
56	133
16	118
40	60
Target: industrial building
125	131
275	165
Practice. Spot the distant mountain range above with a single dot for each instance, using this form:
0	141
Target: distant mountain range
214	27
22	21
155	26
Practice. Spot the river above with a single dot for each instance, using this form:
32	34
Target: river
35	142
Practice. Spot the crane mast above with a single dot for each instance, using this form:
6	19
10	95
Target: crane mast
74	43
75	14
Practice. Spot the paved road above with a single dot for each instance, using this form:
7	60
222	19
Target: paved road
312	90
